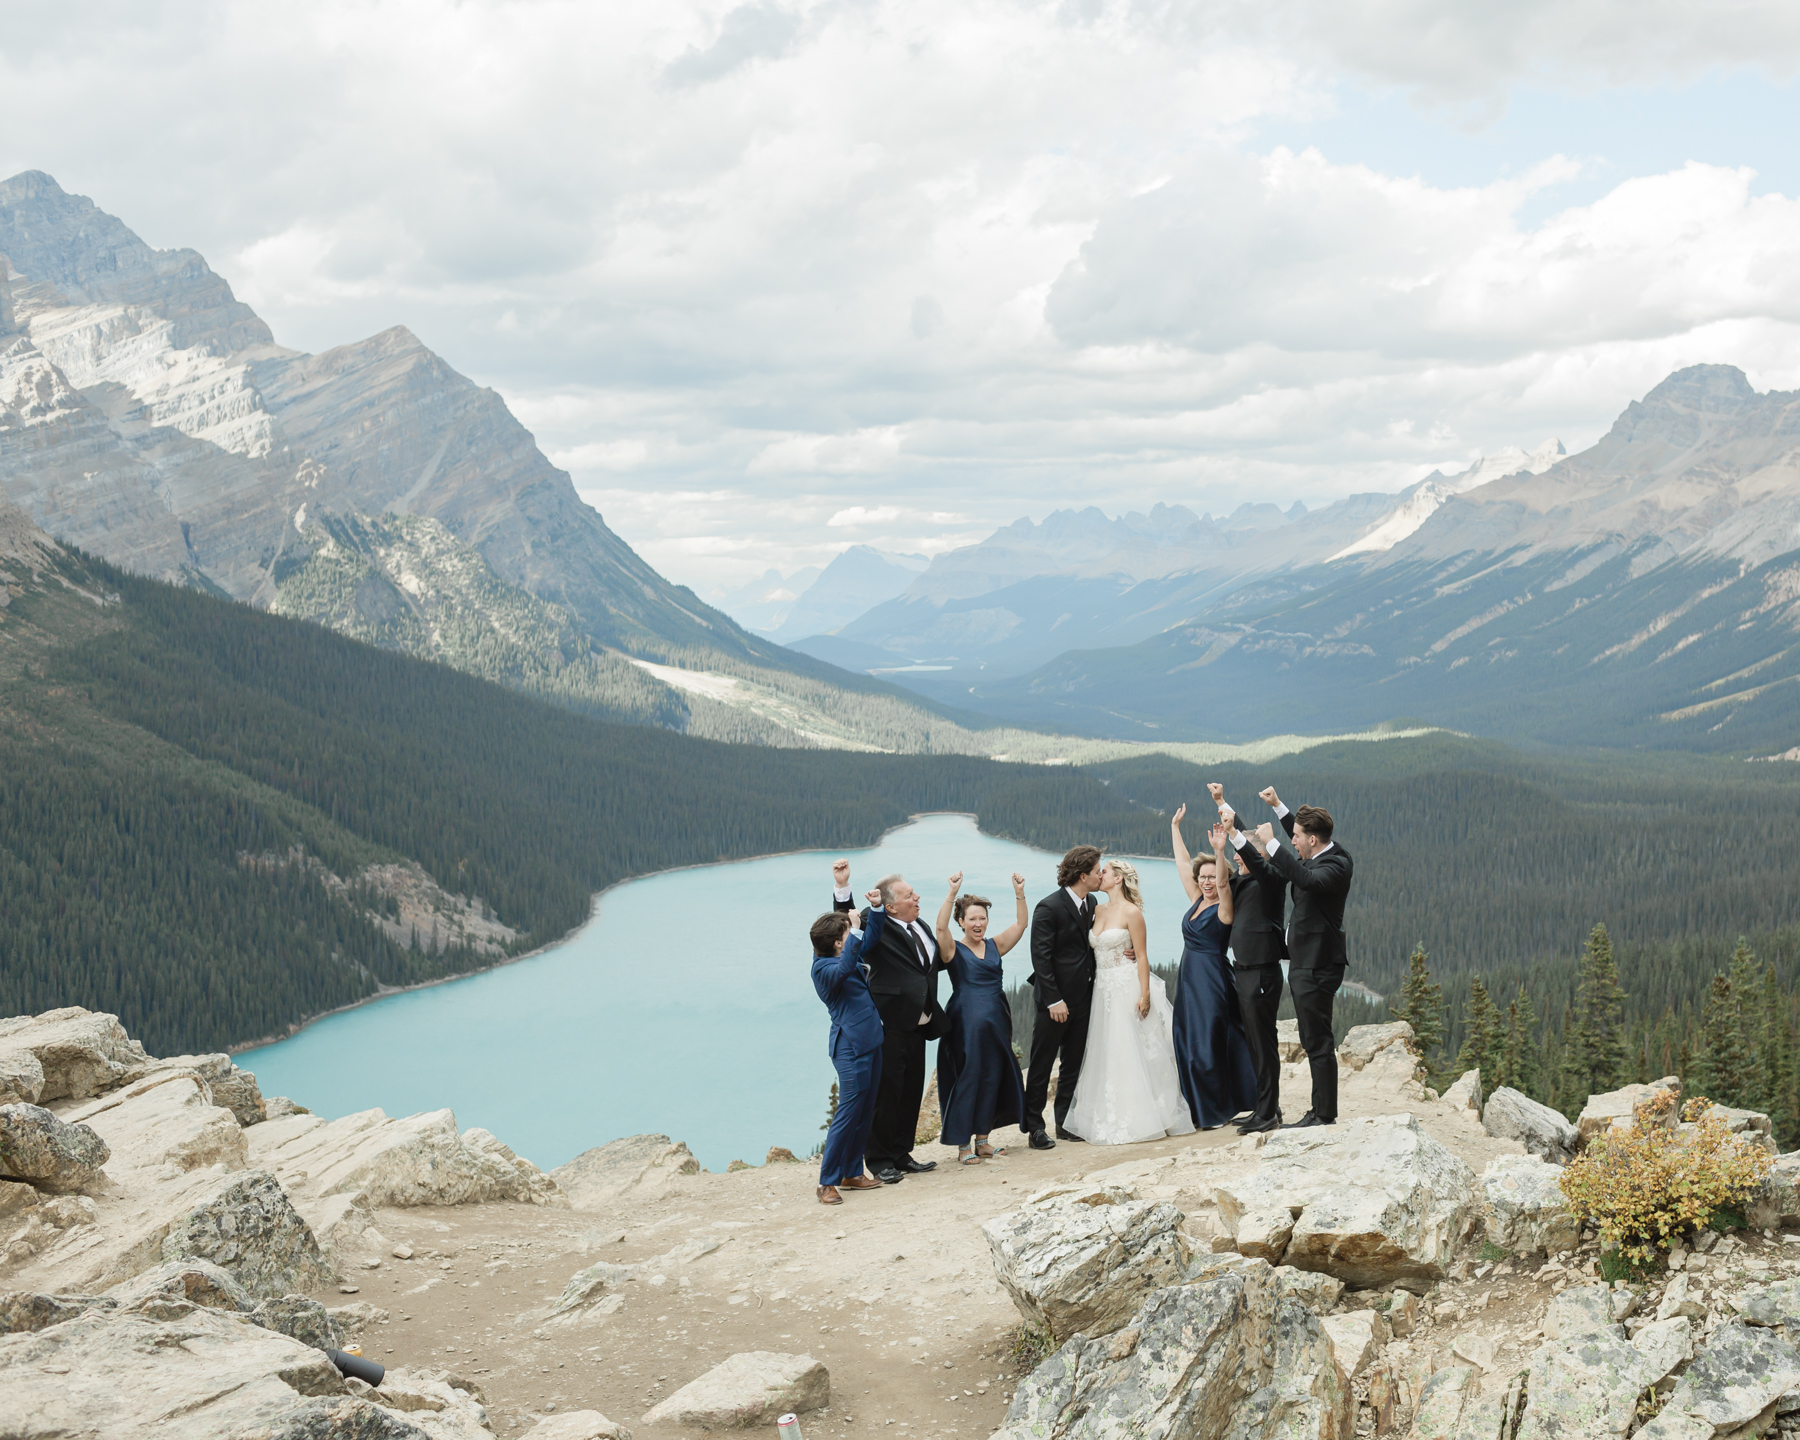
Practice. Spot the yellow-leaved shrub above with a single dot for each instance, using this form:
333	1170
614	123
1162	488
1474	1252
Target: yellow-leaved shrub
1648	1186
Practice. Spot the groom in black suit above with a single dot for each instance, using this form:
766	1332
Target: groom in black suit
1320	880
1062	973
903	966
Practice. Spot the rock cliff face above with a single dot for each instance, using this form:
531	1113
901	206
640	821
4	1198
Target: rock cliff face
148	415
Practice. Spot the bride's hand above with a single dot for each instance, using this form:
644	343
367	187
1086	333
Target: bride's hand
1143	1007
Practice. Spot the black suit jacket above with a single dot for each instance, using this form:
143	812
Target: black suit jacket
1321	885
1062	961
1259	908
902	988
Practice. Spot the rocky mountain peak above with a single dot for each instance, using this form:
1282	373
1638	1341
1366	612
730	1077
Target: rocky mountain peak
1710	389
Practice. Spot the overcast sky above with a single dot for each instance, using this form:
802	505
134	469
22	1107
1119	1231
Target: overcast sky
772	279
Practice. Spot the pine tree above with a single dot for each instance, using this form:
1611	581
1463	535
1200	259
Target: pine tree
1594	1057
1422	1006
1722	1060
1777	1060
831	1107
1750	1083
1519	1055
1485	1040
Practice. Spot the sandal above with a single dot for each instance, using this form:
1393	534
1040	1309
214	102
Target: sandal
967	1157
988	1152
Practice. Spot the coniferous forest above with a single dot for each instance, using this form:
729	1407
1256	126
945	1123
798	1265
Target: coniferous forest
159	751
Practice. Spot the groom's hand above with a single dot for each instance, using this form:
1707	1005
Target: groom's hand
840	872
1269	797
1059	1012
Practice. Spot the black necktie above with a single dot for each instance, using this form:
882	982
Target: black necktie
919	945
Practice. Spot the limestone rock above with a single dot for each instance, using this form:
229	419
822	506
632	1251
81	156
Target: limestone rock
252	1230
778	1155
1739	1373
1307	1395
1474	1350
1483	1418
1361	1043
199	1282
591	1294
747	1389
352	1319
1586	1378
1602	1111
299	1318
1662	1346
1509	1115
1751	1124
1677	1302
1776	1306
1318	1293
55	1157
1287	1041
16	1197
1356	1338
228	1086
577	1425
80	1052
21	1077
516	1177
1465	1094
1526	1207
347	1417
21	1310
123	1374
1580	1310
1085	1264
1442	1401
1377	1202
165	1118
1776	1200
641	1166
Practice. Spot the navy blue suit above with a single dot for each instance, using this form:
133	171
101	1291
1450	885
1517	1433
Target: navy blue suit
855	1050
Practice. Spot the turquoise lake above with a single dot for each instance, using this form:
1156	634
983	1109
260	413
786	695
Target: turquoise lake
685	1005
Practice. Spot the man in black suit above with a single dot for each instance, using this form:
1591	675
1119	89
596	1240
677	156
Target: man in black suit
903	969
1258	946
1320	881
1062	973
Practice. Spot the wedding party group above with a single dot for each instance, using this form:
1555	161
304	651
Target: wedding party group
1130	1065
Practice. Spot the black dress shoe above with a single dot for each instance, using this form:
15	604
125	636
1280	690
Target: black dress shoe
888	1175
910	1166
1041	1141
1307	1121
1253	1126
1062	1134
1243	1119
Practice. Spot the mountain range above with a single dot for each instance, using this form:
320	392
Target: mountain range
1643	592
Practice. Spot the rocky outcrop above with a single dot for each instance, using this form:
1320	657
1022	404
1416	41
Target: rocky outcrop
252	1230
1527	1210
638	1166
1465	1094
1733	1383
1617	1107
1585	1379
1509	1115
54	1157
1374	1202
77	1052
1362	1043
1776	1199
578	1425
226	1085
1221	1355
747	1389
1084	1262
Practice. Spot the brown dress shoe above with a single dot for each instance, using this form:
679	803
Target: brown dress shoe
828	1195
861	1182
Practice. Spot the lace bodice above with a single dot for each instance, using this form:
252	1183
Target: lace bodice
1110	947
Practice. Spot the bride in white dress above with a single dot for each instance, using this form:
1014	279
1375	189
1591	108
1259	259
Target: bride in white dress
1129	1088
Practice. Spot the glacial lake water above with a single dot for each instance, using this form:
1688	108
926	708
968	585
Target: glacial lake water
684	1005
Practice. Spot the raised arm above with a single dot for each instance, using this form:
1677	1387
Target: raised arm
1009	937
1329	875
947	946
856	944
1184	863
1282	813
1141	944
840	886
1222	874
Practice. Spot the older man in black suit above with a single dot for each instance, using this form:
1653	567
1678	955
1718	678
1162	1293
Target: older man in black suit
1319	873
903	969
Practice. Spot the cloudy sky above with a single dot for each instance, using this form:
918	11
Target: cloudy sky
774	278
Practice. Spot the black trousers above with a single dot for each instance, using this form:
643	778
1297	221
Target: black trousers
1314	993
1259	997
900	1090
1049	1042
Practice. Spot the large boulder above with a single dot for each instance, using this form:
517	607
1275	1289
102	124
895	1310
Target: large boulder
1618	1107
60	1158
1545	1133
195	1282
1585	1379
21	1078
1776	1199
251	1230
1735	1381
1219	1356
78	1052
227	1086
166	1118
1085	1262
301	1318
1775	1306
1527	1210
1362	1043
1356	1338
1465	1094
748	1389
375	1161
640	1167
577	1425
1374	1202
22	1310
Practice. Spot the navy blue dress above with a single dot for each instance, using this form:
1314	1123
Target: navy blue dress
1212	1052
979	1086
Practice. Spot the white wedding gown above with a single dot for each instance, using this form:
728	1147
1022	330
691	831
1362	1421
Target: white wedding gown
1128	1088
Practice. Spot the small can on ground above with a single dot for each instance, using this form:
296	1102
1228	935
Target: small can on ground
789	1426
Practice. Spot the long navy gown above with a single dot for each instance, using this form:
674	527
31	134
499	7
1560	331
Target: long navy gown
1211	1050
979	1086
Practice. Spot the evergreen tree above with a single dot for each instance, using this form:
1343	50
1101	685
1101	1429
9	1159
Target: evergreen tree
1519	1056
1594	1058
831	1105
1422	1007
1749	1083
1722	1062
1485	1040
1777	1060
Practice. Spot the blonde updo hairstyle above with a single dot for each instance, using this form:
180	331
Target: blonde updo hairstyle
1128	881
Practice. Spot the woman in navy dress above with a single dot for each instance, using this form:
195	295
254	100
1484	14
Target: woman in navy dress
1211	1050
979	1086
